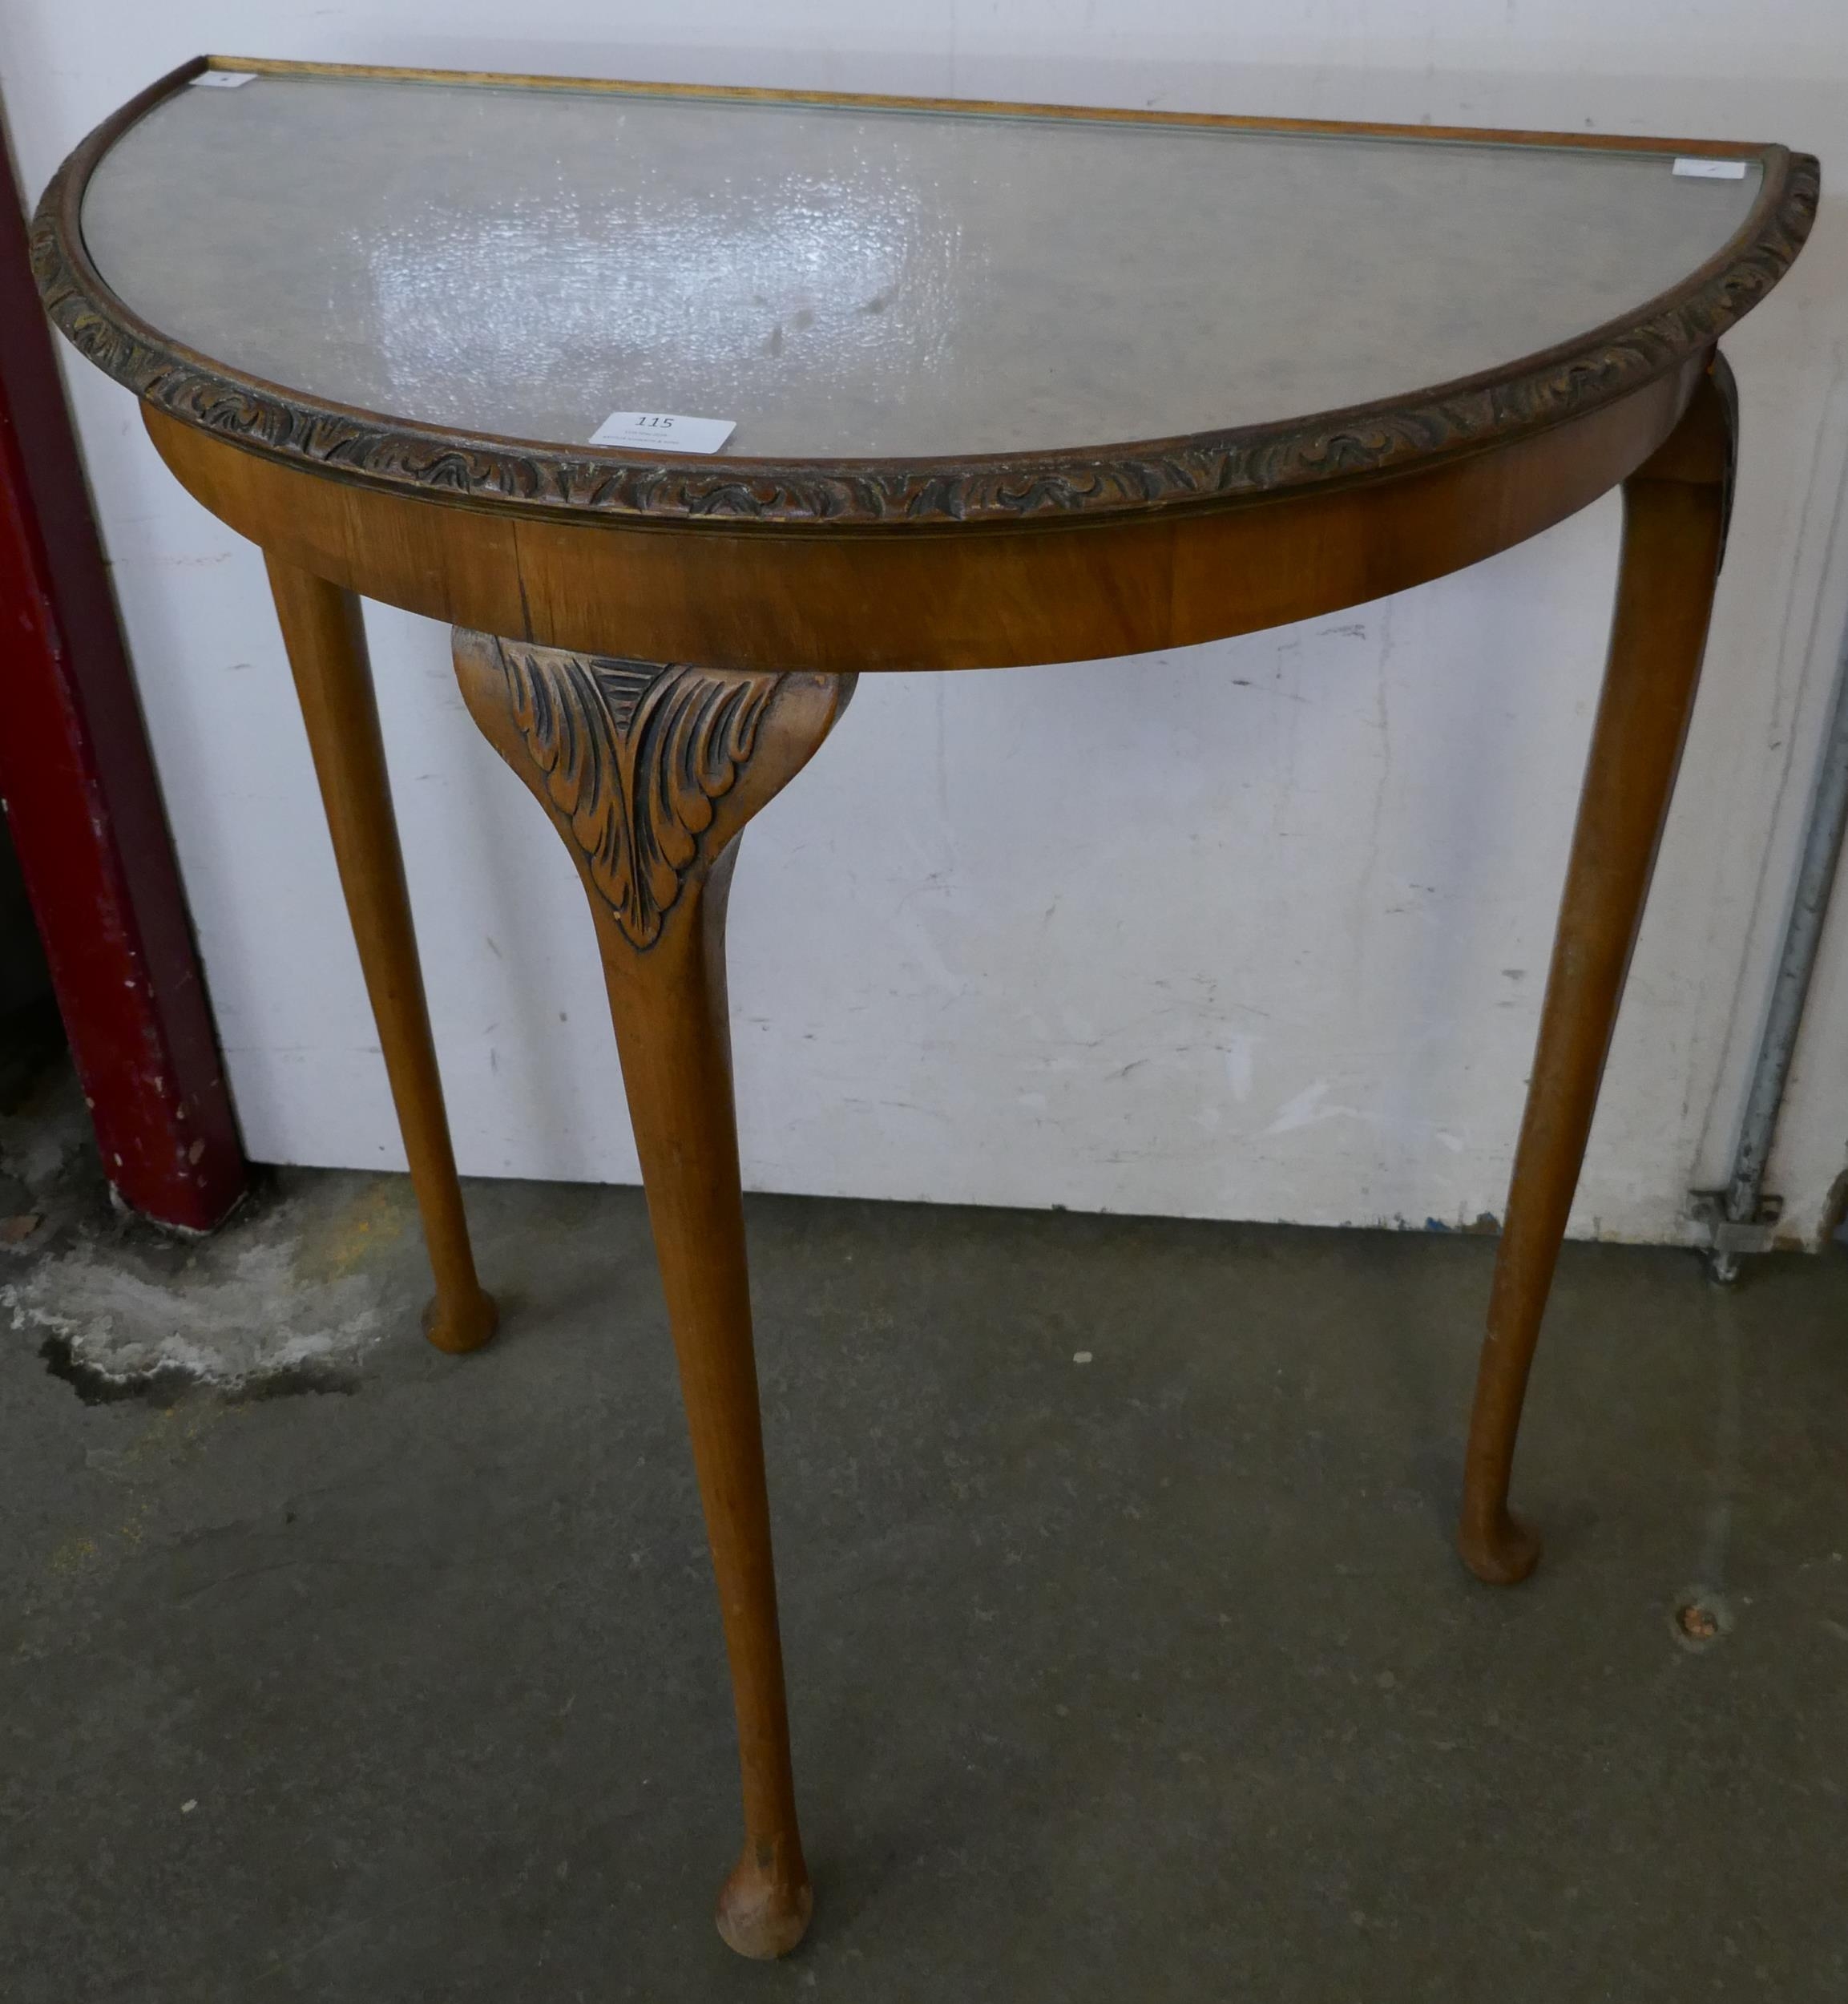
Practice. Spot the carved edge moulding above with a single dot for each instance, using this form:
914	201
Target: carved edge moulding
1442	422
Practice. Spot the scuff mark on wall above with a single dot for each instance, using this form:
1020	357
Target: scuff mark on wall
1240	1053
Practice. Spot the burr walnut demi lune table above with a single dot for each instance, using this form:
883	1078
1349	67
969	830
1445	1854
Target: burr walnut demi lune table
684	406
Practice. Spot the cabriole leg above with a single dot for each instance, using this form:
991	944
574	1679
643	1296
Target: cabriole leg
326	644
1674	528
649	774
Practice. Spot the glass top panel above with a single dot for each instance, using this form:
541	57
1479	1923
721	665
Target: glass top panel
843	281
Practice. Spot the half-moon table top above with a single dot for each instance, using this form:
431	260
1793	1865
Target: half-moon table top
905	311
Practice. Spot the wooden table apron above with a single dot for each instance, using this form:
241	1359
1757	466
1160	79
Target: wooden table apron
909	596
739	644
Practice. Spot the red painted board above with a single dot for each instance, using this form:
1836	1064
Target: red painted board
85	811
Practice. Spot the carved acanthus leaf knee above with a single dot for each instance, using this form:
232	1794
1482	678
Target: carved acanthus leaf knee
648	769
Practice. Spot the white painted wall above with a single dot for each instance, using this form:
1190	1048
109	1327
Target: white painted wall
1256	930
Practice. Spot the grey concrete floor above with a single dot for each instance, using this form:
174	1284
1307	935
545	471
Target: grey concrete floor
336	1669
